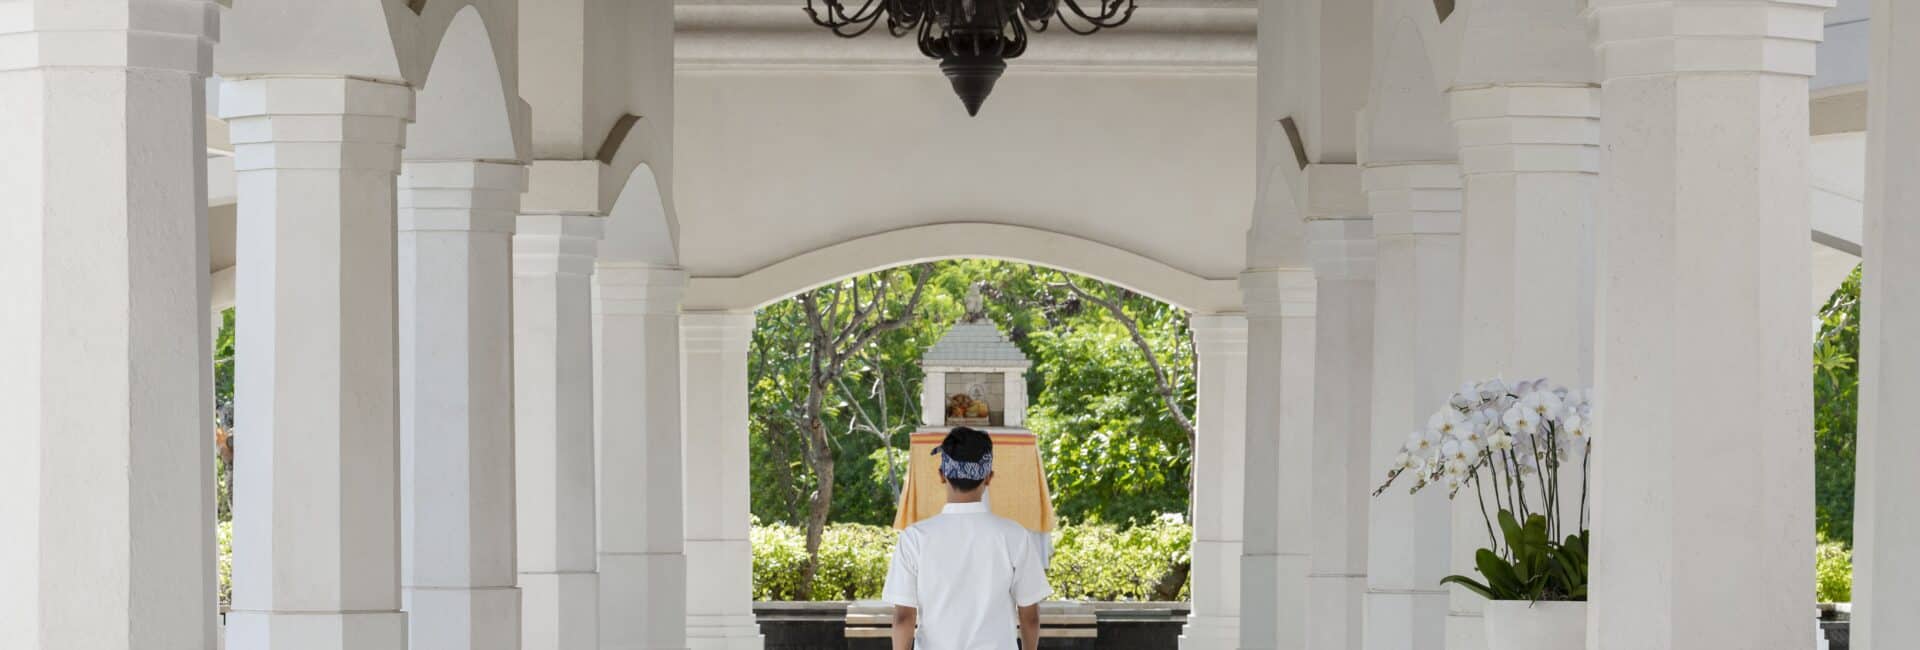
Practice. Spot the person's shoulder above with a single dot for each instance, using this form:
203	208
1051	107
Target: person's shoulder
1007	526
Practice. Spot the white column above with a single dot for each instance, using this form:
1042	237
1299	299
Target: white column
553	429
317	527
1277	463
1886	531
643	559
1703	471
1416	219
1220	418
456	404
1529	155
1342	252
105	496
720	603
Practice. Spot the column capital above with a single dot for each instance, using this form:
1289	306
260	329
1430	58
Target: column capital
635	289
1216	334
1278	293
565	187
316	122
1341	248
1509	128
1420	198
1333	191
175	35
715	327
460	195
556	243
1657	37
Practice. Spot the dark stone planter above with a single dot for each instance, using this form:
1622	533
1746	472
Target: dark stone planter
823	626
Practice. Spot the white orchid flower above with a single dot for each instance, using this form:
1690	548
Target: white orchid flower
1501	442
1448	423
1544	403
1521	420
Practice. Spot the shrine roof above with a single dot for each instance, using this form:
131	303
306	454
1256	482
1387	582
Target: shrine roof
975	344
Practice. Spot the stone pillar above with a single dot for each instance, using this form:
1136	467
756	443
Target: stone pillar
456	404
106	497
1277	459
1529	155
317	527
643	559
553	406
714	367
1703	472
1886	531
1342	251
1416	359
1220	341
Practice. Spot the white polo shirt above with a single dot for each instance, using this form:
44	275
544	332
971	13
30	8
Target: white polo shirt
966	570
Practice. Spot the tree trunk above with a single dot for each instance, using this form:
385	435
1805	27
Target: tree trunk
820	459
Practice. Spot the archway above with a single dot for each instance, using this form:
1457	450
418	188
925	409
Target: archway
1073	363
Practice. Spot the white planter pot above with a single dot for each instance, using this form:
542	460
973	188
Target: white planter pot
1521	625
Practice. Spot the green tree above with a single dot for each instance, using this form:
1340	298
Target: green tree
1114	451
1836	381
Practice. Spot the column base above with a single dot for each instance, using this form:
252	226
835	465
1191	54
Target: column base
1336	605
643	601
724	633
461	618
1210	633
560	611
1406	620
317	630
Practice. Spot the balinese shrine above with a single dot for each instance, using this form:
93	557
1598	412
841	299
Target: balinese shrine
977	378
495	266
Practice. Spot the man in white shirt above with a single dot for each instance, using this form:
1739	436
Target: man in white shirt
962	575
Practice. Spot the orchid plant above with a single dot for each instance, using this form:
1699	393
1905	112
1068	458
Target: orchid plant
1508	445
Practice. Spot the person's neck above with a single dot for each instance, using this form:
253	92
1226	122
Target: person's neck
956	496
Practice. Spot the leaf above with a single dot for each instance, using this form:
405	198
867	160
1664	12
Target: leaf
1471	585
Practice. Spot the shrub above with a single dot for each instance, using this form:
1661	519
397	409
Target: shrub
1090	562
1833	572
223	534
1104	562
853	562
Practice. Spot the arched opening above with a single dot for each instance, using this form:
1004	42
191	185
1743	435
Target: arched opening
1104	383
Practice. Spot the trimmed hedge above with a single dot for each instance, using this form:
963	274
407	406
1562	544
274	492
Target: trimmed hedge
1090	562
1833	572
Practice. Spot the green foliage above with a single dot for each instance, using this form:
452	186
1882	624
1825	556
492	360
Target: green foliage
1103	562
1090	562
853	561
1535	567
1113	451
1833	572
223	413
223	536
1836	380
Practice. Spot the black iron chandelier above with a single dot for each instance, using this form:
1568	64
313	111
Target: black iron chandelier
972	38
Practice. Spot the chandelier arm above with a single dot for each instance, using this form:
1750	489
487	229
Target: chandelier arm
1113	13
844	24
1017	44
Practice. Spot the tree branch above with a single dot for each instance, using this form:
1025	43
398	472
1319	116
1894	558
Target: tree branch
1161	383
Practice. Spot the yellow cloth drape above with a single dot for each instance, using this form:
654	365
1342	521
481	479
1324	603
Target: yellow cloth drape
1019	489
